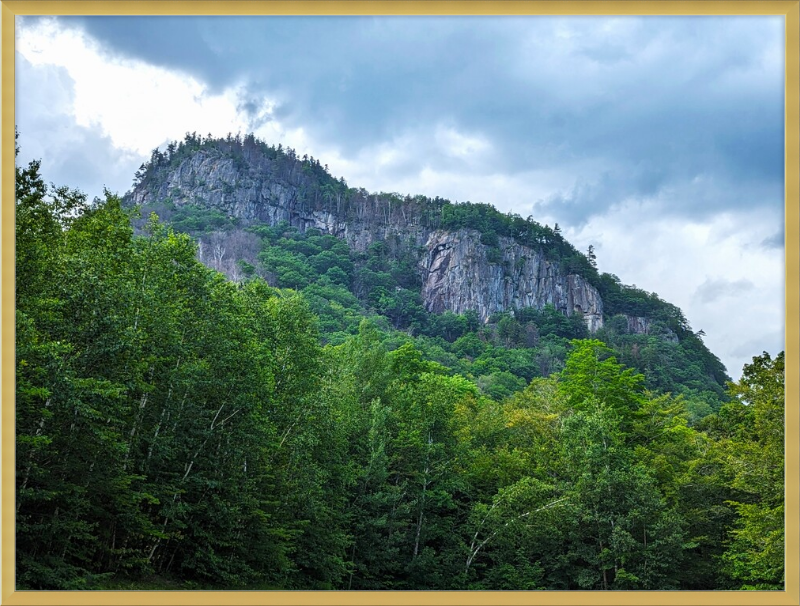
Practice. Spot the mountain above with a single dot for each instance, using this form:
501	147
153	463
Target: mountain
459	269
460	258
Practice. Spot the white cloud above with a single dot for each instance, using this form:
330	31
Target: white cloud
676	259
138	106
73	155
460	145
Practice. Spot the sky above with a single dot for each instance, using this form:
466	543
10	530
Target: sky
658	140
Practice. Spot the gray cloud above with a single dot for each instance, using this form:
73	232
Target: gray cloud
774	241
772	342
629	107
712	290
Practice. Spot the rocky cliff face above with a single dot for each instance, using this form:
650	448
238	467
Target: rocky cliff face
458	272
261	191
458	276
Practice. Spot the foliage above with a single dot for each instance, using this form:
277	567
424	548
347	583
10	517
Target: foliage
755	556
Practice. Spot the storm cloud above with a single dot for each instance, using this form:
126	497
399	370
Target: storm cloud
623	107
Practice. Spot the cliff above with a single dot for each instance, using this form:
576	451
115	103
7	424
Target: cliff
458	269
458	276
637	325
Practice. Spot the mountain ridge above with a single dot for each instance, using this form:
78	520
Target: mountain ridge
518	262
427	266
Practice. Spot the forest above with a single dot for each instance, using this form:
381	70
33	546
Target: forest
309	426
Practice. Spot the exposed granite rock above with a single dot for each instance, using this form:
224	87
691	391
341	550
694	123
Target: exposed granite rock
458	276
257	192
459	273
638	325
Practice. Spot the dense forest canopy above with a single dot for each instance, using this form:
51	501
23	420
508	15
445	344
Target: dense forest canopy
309	426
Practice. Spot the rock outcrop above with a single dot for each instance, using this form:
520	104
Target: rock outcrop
459	276
638	325
458	272
260	191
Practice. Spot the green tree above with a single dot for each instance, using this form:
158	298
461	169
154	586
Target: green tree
592	374
755	556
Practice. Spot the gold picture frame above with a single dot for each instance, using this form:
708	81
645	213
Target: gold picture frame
789	9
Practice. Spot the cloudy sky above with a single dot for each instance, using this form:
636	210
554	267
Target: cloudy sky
657	140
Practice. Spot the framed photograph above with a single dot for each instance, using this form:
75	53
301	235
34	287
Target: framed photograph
396	302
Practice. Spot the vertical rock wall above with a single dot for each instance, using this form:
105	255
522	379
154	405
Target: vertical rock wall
460	274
